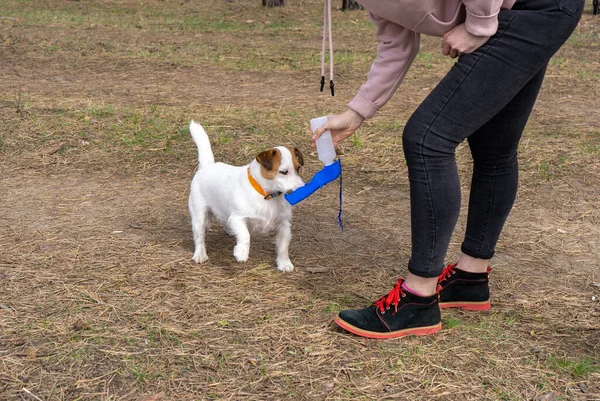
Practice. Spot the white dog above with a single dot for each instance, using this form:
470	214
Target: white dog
244	199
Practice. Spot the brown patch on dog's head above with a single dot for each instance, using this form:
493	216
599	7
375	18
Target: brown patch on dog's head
270	160
297	158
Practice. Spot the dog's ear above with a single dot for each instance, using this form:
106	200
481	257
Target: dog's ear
297	157
269	159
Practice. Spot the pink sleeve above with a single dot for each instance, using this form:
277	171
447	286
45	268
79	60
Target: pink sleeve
395	54
482	16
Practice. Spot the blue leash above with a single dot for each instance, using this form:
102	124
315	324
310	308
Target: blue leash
340	223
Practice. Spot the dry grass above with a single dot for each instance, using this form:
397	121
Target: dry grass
99	298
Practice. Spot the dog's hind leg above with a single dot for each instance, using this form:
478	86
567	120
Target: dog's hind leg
200	220
238	226
284	236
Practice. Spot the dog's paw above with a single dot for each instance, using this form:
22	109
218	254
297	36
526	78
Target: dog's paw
241	253
200	257
285	265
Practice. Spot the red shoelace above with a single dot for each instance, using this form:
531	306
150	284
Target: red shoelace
448	271
392	298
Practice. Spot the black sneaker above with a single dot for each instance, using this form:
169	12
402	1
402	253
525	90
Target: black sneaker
397	314
464	290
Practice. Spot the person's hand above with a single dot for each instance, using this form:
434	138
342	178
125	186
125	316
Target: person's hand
341	126
459	41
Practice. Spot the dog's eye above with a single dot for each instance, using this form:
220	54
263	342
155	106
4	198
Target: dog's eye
284	172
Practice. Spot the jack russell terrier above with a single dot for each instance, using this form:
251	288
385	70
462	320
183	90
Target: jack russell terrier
244	199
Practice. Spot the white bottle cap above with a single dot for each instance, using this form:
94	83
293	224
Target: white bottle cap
324	144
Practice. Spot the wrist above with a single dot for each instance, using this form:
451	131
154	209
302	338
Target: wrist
354	115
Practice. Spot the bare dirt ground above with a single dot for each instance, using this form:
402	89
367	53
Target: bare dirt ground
99	298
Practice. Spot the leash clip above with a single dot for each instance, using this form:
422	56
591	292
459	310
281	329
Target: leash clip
272	195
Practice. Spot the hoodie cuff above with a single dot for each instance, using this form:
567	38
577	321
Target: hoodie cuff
363	106
481	25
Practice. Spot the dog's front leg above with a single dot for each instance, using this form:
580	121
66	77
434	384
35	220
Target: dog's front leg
238	227
284	236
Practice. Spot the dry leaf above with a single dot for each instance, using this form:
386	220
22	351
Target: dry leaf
549	396
154	397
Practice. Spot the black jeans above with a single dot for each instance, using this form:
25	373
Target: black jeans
485	98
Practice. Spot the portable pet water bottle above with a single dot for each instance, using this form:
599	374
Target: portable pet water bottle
330	172
324	144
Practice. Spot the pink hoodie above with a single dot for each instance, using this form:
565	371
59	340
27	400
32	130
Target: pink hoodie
400	30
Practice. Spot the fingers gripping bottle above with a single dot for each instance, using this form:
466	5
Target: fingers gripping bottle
328	173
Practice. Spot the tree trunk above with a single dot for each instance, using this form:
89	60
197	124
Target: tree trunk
350	5
272	3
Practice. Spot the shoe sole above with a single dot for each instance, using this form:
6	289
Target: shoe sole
418	331
485	305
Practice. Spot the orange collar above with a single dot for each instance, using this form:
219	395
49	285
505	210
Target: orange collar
260	189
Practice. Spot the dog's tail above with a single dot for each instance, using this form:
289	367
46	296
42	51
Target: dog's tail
205	154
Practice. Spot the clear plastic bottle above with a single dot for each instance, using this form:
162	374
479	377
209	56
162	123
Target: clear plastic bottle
324	144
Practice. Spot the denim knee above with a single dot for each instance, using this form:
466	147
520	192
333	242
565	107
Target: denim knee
422	140
412	139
